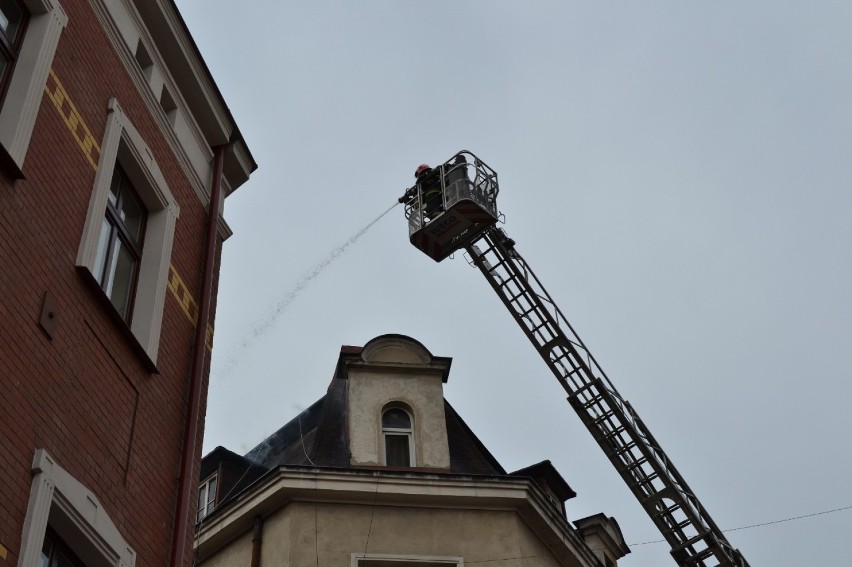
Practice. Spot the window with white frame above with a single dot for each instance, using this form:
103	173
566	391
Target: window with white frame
13	22
30	34
56	553
66	525
397	437
206	498
130	205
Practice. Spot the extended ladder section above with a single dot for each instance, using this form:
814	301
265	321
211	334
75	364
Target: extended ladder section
694	538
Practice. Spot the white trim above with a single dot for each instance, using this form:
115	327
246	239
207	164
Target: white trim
446	491
23	98
125	29
123	144
386	560
57	497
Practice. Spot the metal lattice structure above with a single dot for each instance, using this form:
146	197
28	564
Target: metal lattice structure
695	540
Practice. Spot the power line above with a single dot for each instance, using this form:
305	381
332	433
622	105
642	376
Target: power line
759	525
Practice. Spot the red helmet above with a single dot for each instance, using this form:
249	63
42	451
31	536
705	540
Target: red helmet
421	169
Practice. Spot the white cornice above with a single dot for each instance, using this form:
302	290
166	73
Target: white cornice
286	485
189	53
104	13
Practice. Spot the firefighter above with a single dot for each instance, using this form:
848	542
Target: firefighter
429	180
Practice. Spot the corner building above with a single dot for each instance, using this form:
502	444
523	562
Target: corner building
115	144
382	472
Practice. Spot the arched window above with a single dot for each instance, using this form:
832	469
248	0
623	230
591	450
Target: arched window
398	438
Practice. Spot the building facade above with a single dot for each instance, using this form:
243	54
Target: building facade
382	472
116	152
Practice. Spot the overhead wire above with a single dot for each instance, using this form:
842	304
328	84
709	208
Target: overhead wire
760	524
372	513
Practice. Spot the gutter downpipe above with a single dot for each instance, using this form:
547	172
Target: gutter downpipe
256	539
199	354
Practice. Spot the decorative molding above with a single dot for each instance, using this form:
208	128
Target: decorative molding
123	144
57	494
289	484
22	101
112	15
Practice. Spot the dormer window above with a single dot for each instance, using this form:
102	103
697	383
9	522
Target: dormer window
398	438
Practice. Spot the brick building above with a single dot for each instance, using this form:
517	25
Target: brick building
114	144
382	472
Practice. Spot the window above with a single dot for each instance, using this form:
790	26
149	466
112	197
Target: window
56	553
120	243
129	229
66	525
384	560
397	435
13	22
30	34
206	498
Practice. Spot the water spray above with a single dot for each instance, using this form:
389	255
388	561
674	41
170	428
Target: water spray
260	328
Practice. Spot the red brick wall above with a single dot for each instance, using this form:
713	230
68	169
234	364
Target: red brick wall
86	396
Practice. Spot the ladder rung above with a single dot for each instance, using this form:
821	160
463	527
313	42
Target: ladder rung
585	386
612	434
637	463
575	370
691	541
648	479
698	557
597	398
528	311
667	511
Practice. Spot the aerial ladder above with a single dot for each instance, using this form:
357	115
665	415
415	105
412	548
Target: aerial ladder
453	206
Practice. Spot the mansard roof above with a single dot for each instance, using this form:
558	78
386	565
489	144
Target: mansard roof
317	437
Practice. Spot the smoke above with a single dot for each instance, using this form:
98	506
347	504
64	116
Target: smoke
262	327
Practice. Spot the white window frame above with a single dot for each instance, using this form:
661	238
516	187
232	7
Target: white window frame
208	506
23	97
74	512
123	144
409	432
389	560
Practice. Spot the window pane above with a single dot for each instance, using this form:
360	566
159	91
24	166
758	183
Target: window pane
132	213
103	245
119	252
46	551
396	418
63	560
202	499
115	185
121	279
396	451
11	17
202	495
211	493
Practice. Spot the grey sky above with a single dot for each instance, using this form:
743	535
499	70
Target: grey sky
678	175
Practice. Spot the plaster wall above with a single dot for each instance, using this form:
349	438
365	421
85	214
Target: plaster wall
369	392
237	552
305	533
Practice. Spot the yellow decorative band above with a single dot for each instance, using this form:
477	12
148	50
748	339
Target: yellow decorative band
186	302
73	119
